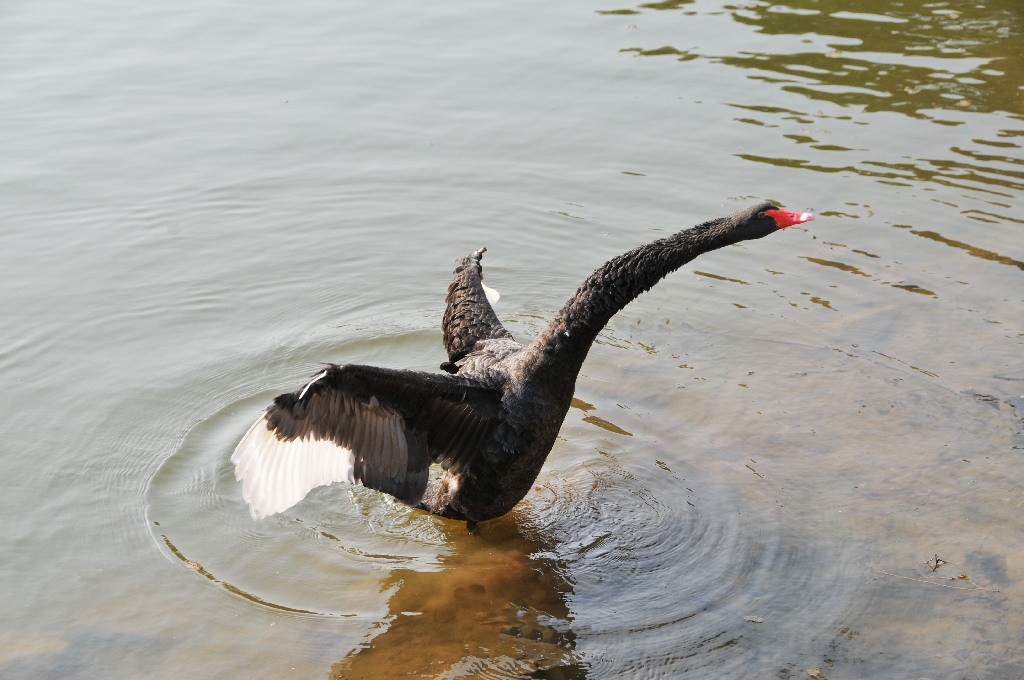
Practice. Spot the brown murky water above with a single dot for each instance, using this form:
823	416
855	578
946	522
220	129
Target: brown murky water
799	457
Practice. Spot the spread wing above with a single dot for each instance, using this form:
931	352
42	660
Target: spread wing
376	426
469	316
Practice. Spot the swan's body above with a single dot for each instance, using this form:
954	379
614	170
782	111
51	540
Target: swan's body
490	420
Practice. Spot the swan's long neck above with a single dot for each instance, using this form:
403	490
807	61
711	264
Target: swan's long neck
618	282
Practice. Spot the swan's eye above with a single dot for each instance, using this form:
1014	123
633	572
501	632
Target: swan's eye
760	214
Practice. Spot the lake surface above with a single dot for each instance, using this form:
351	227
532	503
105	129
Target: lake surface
797	457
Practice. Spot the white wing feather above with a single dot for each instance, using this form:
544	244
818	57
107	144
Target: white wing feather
276	474
492	295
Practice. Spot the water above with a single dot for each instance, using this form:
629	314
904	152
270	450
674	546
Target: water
799	454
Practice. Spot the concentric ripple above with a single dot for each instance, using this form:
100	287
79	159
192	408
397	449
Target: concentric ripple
680	568
287	562
716	521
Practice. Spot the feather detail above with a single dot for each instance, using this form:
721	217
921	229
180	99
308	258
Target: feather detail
278	473
492	295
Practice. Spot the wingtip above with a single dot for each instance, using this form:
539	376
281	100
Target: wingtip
276	474
492	295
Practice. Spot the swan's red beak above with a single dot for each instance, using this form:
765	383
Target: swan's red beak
784	218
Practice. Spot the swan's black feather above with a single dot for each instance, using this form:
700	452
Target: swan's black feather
490	421
468	317
396	423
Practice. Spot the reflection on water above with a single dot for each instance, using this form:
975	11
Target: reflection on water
939	62
883	56
910	287
905	58
496	607
597	420
971	250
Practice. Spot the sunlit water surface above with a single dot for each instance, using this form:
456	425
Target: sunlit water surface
797	457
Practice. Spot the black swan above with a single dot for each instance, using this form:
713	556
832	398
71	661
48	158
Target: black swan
489	421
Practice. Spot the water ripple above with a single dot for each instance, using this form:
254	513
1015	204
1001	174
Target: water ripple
658	567
198	518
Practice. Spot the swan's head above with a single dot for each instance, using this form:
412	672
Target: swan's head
766	218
